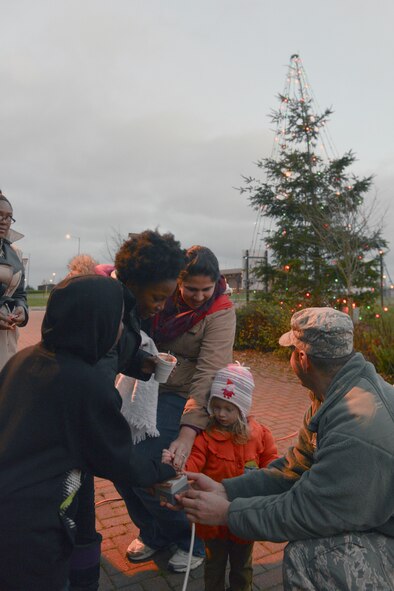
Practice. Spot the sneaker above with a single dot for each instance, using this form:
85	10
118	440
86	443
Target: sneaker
137	551
178	561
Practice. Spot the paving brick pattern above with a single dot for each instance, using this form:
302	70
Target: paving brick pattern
279	402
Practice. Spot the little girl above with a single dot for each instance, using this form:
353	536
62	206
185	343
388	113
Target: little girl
232	443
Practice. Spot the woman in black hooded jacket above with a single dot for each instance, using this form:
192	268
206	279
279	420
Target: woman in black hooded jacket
58	419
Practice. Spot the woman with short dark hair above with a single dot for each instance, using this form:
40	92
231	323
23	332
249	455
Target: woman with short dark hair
197	325
147	266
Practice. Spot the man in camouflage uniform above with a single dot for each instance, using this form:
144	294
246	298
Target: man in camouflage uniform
332	494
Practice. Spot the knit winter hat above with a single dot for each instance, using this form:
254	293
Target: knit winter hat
234	383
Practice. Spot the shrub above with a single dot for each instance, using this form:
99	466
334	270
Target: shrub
259	326
374	338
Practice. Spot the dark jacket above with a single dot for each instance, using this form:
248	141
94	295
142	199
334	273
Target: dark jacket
58	417
126	356
12	293
9	256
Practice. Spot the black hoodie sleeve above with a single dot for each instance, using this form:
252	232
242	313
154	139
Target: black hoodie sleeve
130	358
107	448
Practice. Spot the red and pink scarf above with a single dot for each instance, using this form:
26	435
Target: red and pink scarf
177	317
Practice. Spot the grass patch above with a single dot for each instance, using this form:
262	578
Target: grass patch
37	299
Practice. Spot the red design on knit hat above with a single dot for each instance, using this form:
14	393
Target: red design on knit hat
229	392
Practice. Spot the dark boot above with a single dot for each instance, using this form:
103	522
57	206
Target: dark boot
85	566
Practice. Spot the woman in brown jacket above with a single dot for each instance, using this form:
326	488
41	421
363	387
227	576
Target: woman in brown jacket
197	325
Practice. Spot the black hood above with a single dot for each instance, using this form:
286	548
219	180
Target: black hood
83	316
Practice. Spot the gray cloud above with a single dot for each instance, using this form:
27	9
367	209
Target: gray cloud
120	116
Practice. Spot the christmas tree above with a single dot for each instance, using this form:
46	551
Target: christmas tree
323	247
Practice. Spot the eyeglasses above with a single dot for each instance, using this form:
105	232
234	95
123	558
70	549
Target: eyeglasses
7	218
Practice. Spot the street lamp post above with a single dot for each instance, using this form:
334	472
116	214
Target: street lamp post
381	253
26	265
68	236
247	258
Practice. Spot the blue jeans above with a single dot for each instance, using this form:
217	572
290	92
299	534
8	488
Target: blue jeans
160	527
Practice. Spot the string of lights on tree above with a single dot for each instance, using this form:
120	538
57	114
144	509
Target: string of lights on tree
311	214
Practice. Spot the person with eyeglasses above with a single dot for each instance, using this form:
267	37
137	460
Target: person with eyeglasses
13	300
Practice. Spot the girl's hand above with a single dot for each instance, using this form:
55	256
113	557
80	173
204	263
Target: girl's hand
167	457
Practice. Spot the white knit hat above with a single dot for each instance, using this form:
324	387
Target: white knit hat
234	383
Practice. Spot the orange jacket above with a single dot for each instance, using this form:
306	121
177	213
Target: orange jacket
217	456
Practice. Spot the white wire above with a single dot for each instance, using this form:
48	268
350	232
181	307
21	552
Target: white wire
189	561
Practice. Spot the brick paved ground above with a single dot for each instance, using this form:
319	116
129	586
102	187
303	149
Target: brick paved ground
279	402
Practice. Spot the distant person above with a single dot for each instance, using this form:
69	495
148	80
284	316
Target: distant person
59	419
85	264
232	443
197	325
13	301
331	495
82	264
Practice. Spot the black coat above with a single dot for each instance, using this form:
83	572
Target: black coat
58	415
126	356
10	258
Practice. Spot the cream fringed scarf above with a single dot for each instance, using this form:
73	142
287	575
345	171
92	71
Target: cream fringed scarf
139	399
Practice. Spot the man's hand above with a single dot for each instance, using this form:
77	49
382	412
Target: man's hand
207	508
202	482
199	483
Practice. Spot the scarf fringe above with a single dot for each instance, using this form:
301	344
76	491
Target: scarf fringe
139	434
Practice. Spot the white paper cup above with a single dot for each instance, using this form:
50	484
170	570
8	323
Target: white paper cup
164	367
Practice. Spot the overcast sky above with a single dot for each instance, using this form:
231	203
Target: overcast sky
122	115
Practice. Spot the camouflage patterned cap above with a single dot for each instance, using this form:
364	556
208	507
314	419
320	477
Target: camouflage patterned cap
320	332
